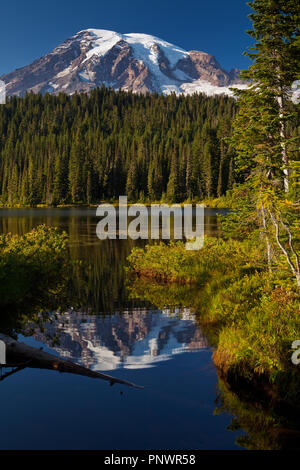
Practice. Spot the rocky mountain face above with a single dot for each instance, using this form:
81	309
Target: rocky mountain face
137	62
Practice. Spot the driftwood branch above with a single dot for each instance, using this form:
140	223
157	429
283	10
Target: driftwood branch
27	356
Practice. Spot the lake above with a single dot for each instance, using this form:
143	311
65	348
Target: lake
106	329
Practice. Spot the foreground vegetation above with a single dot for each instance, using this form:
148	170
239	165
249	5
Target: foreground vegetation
250	316
31	267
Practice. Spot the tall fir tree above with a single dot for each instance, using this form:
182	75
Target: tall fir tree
262	129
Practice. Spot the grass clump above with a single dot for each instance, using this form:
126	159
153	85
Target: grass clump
167	263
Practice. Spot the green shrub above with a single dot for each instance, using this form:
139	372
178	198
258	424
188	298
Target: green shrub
32	265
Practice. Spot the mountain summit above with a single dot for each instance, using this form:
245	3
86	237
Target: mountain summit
137	62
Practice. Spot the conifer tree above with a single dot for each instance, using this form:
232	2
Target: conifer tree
276	52
261	131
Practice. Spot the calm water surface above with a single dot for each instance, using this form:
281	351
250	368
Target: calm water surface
105	329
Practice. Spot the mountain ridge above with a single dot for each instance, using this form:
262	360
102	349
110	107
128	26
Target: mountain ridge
134	62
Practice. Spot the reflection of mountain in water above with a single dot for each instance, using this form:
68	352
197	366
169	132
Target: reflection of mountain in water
135	339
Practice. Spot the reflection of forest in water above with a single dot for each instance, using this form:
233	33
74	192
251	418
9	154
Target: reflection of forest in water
129	332
96	282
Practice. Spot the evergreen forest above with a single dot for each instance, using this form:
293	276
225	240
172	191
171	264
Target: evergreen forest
88	148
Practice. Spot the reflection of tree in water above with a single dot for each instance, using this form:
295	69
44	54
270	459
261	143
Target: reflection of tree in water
264	428
96	278
96	281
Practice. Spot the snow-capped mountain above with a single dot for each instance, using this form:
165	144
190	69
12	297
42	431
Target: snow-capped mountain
137	339
137	62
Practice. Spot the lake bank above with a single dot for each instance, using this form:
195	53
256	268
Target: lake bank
251	318
223	202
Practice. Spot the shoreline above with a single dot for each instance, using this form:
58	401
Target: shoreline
239	307
214	203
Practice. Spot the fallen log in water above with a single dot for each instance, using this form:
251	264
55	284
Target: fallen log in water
21	355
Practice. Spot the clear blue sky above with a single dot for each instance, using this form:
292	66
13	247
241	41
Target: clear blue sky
31	28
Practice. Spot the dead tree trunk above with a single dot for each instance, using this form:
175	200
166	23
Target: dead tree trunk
18	354
285	158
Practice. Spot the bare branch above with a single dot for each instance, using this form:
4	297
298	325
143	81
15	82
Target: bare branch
287	228
286	253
